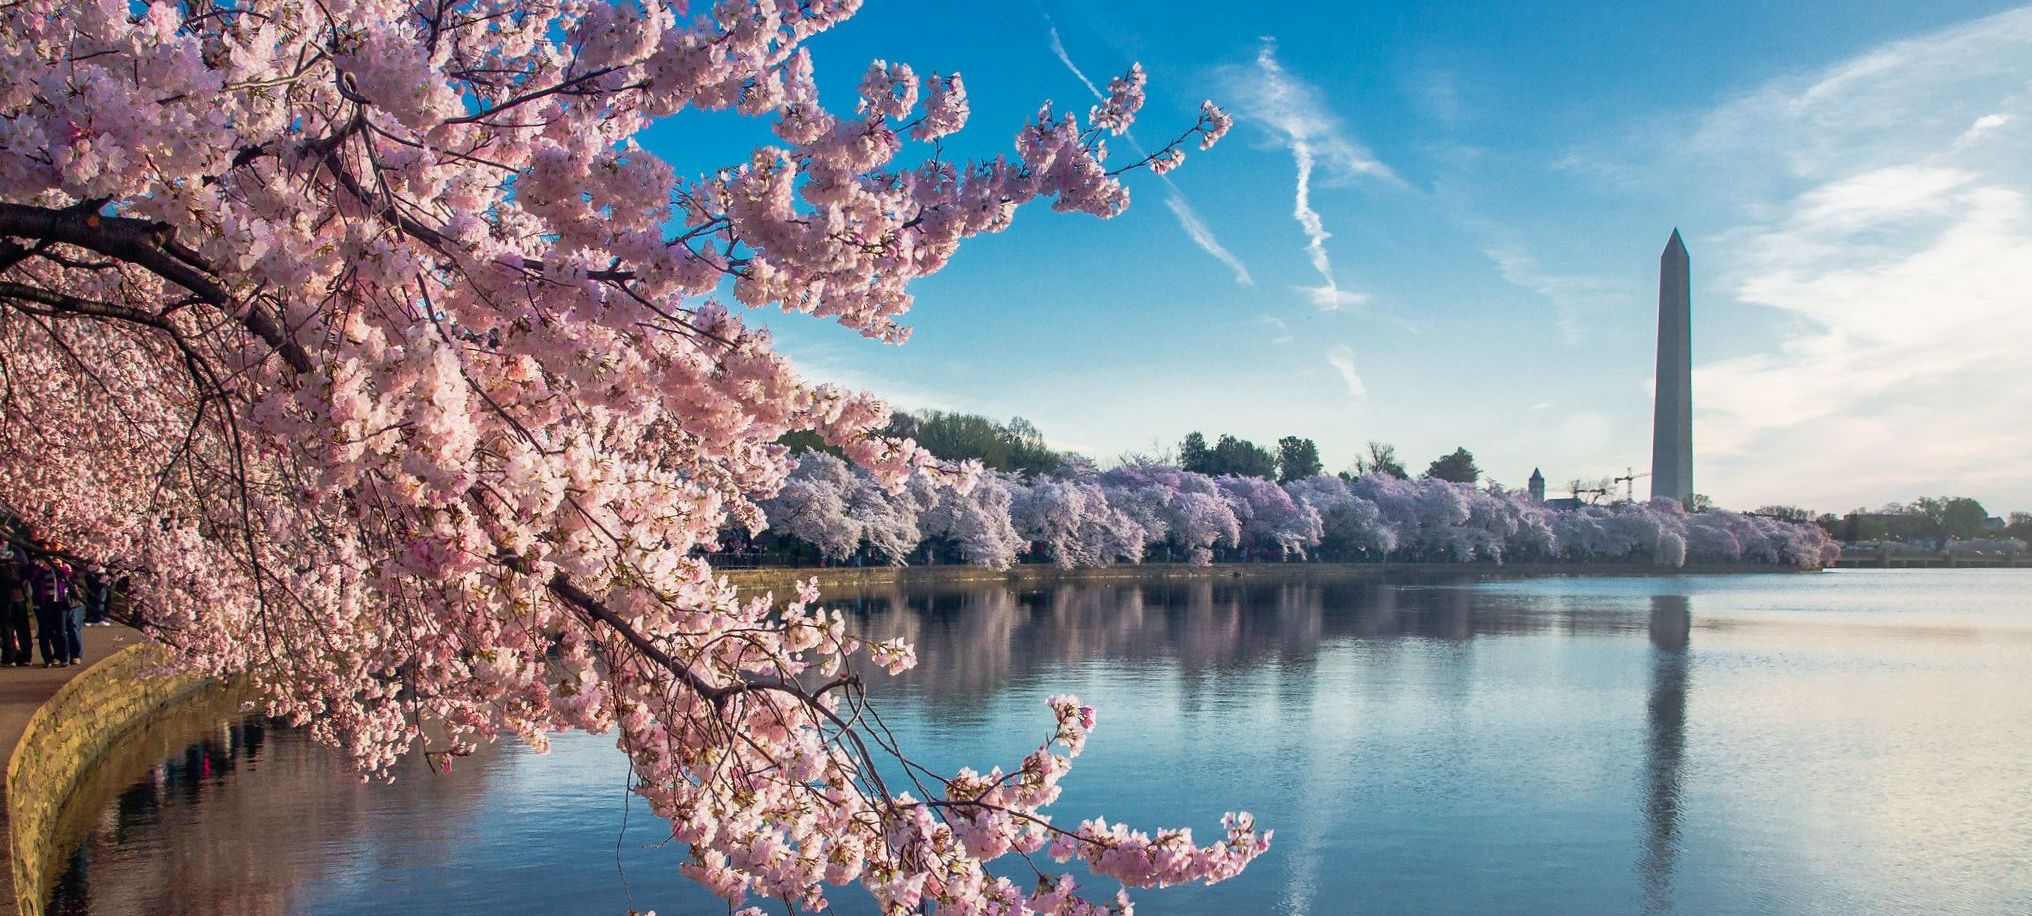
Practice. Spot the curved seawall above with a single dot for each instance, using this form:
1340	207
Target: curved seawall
66	737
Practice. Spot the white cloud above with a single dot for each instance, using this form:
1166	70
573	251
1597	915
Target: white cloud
1439	95
1330	298
1901	101
1342	359
1574	297
1292	110
1181	208
1899	253
1983	125
1283	330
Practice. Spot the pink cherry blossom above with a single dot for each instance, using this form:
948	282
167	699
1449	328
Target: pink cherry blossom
371	342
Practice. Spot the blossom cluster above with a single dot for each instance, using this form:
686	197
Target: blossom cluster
1084	518
367	340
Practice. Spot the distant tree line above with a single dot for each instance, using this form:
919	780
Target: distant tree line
1231	501
1297	458
1934	521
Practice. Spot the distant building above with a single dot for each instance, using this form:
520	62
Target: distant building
1537	485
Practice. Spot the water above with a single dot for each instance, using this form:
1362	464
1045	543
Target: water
1852	742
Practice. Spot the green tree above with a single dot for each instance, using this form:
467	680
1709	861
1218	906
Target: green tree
1949	517
1862	525
1228	455
2020	527
1382	459
1014	446
804	440
1457	466
1296	458
1242	458
1193	454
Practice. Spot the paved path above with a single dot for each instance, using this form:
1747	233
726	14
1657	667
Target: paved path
22	692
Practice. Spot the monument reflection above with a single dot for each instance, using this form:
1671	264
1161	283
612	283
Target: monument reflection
1665	747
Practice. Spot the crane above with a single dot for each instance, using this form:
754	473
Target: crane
1594	492
1629	482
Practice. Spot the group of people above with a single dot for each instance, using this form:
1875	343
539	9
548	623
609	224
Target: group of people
40	584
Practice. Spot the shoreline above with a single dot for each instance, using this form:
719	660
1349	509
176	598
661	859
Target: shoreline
70	721
837	577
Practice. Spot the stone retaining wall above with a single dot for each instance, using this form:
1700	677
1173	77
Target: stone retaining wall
64	739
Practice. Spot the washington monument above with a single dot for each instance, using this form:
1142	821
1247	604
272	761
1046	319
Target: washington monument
1672	415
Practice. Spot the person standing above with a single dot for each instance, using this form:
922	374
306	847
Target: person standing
74	618
98	594
17	646
52	582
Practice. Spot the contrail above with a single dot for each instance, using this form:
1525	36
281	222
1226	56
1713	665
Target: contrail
1188	218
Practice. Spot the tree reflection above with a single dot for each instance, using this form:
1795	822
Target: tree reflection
187	830
975	640
186	835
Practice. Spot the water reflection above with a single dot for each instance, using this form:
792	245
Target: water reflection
212	829
1856	744
984	638
1664	746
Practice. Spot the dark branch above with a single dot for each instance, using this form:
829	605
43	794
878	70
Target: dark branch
150	246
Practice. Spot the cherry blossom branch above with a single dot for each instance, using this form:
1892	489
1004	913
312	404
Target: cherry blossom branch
148	245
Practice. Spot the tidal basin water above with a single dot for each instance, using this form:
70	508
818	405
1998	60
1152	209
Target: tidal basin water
1847	742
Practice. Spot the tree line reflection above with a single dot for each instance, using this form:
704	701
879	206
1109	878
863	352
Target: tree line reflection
973	640
246	817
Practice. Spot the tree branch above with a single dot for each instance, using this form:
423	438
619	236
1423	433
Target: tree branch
147	245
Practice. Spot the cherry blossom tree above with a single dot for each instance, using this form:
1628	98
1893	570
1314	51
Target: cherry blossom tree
1397	502
1986	547
398	376
1593	533
1349	524
1420	520
1668	547
1533	537
813	506
1175	506
839	508
1076	524
1711	538
890	516
974	519
1269	516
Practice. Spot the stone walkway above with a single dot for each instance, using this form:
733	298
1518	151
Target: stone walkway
22	692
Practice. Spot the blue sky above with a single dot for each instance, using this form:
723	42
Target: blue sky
1474	261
